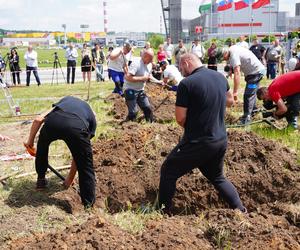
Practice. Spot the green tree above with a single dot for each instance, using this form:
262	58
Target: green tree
266	39
155	40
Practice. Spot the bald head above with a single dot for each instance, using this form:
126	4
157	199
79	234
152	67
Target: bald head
147	56
30	48
188	63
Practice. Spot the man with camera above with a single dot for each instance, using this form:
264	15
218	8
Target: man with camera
71	55
284	91
31	65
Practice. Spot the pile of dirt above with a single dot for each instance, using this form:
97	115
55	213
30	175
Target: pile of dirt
216	229
127	167
162	102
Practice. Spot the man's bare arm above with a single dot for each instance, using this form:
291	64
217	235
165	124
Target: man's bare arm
180	114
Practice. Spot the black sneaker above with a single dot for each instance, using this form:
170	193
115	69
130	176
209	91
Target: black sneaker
41	184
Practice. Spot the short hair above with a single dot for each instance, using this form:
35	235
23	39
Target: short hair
261	92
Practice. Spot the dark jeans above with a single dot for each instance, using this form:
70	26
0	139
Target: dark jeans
208	157
71	65
134	98
69	128
250	96
15	77
293	103
35	73
271	69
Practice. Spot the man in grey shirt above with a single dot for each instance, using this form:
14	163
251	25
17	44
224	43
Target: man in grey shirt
243	60
136	77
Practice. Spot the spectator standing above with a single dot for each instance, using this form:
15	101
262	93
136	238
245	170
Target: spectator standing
86	63
198	49
169	48
243	43
258	50
98	59
31	65
71	56
212	57
273	55
14	66
161	54
179	51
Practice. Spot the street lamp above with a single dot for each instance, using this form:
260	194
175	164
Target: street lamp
64	26
83	27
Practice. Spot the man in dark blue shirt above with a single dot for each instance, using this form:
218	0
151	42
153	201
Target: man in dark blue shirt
200	110
73	121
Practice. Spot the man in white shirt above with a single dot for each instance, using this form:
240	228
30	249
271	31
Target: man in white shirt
243	43
136	77
71	56
169	48
171	75
198	49
118	66
31	65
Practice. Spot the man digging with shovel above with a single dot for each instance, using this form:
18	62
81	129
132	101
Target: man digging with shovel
73	121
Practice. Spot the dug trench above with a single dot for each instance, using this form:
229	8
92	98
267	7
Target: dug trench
127	167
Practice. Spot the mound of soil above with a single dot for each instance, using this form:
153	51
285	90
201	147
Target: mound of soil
215	229
162	102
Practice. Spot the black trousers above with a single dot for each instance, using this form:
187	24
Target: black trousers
69	128
208	157
71	65
35	73
16	77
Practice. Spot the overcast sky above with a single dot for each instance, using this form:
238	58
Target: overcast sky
123	15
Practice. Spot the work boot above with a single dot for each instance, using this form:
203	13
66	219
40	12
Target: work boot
41	184
292	123
245	120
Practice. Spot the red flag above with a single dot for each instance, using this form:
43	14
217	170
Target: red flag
260	3
241	4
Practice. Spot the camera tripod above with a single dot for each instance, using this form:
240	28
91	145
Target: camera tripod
57	64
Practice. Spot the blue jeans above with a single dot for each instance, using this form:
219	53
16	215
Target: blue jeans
99	72
35	73
272	69
134	98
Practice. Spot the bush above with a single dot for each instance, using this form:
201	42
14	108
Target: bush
155	40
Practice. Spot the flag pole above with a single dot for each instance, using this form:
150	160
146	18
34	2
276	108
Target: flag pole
270	23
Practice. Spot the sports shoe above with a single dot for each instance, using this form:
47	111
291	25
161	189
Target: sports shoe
41	184
245	120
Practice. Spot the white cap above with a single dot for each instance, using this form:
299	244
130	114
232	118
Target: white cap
292	64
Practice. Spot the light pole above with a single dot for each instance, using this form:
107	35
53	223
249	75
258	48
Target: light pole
64	26
84	27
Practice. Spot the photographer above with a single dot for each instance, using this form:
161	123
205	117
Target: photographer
14	66
71	55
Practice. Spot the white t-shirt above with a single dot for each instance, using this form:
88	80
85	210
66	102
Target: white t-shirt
243	44
172	73
244	58
198	50
169	48
31	59
118	63
138	68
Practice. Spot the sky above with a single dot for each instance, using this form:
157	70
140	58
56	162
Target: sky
123	15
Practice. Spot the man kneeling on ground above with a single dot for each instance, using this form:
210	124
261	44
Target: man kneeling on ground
284	88
200	110
171	75
73	121
136	77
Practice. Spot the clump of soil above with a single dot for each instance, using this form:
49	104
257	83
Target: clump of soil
162	102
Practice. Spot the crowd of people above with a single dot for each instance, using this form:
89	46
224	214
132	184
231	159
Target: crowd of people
202	94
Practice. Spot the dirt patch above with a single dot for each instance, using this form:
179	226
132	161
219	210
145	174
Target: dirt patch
161	100
127	169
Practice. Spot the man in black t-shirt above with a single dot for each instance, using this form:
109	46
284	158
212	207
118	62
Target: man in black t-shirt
73	121
200	109
258	50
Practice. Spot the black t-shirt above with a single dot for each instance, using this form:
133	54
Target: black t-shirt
81	109
258	50
203	93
